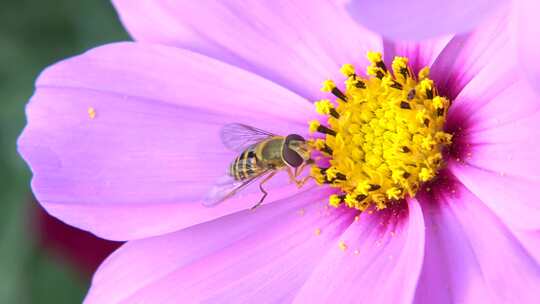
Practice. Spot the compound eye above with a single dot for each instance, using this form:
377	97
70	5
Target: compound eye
291	157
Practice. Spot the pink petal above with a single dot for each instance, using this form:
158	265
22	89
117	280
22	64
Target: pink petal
153	145
503	133
297	44
420	19
381	264
470	255
500	118
530	241
247	257
498	94
527	31
420	54
468	54
512	198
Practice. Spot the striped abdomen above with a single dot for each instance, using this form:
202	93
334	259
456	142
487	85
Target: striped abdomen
246	165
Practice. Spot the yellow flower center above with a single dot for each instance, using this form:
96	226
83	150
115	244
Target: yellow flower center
383	136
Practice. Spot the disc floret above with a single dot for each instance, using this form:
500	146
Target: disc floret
383	136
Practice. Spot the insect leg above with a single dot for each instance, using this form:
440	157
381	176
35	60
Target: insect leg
299	169
293	176
262	190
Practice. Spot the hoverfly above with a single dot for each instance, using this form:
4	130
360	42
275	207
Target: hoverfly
261	154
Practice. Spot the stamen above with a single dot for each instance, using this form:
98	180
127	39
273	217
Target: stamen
339	94
316	126
347	70
321	145
405	105
384	135
360	84
411	94
325	107
330	86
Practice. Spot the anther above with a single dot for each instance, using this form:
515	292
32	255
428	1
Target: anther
381	65
336	200
411	94
405	105
360	84
330	86
361	197
348	70
340	176
325	107
326	130
440	112
337	92
373	187
334	113
404	72
326	149
314	125
396	85
429	93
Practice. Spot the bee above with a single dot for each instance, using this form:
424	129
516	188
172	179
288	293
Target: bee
261	154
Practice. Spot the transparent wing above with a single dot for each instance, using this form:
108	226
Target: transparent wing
238	137
226	187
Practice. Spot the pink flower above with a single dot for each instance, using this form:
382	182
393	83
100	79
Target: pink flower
124	142
418	19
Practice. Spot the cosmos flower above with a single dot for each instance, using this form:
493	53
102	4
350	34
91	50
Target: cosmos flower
124	141
416	19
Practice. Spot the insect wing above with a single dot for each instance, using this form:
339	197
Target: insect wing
226	187
238	137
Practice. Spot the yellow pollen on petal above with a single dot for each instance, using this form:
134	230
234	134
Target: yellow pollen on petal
342	245
383	136
318	231
91	113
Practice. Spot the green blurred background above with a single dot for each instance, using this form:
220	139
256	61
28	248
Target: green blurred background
33	35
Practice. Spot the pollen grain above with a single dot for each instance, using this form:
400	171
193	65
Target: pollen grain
91	113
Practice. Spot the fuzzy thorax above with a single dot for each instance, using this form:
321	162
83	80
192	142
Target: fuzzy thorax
383	136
